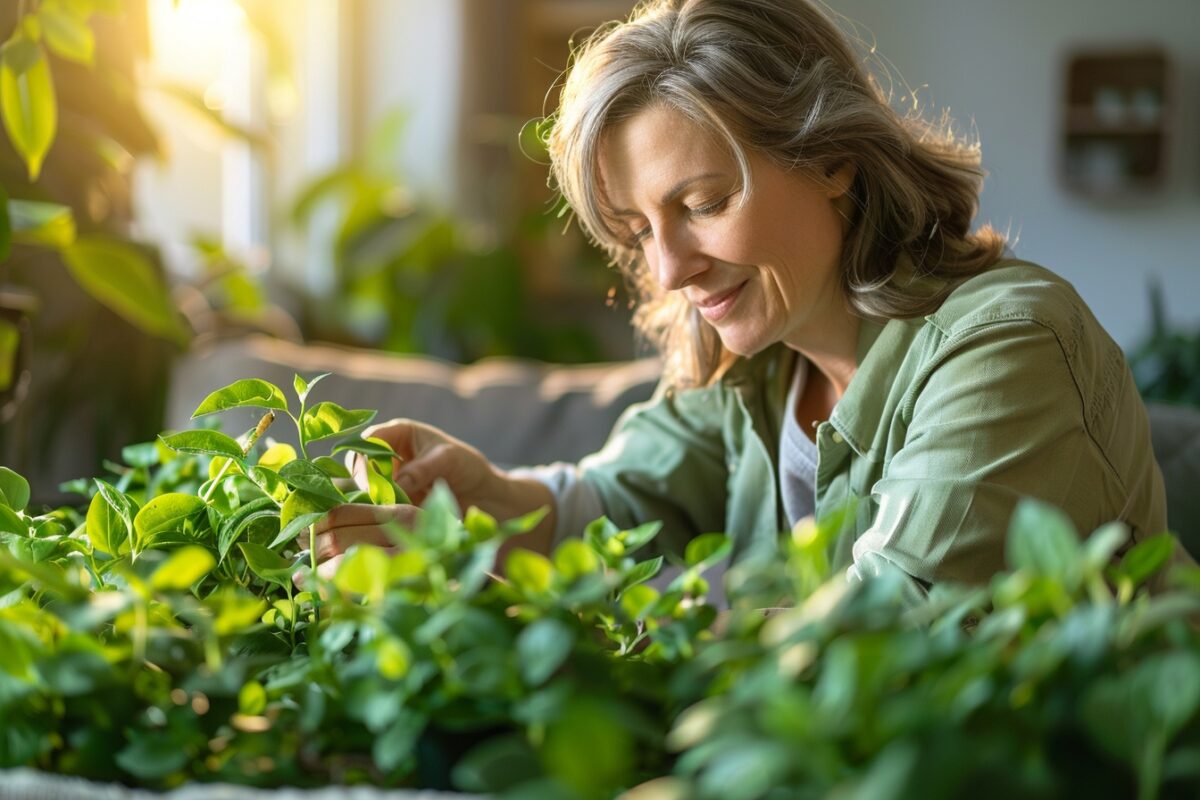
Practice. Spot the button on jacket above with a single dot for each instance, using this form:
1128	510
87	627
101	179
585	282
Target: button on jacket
1010	389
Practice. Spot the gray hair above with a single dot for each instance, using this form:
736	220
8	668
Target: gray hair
776	77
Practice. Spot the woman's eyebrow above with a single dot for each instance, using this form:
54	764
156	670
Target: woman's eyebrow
671	193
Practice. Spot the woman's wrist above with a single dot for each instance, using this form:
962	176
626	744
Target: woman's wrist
515	496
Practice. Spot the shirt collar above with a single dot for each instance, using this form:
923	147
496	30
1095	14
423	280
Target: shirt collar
880	351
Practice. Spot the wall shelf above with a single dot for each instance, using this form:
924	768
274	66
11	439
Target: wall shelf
1116	121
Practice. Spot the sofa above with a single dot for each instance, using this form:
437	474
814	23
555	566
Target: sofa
523	412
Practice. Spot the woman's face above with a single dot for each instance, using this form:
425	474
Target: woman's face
760	272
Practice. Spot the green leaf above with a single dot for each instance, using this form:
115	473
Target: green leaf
542	648
380	487
276	456
185	566
37	223
107	530
67	34
1146	558
204	442
233	610
300	503
574	558
251	392
303	387
122	278
706	549
28	103
391	748
638	600
364	571
329	419
1042	539
11	522
145	454
232	526
331	467
295	526
371	446
308	477
530	572
119	501
252	699
266	563
15	489
640	573
269	481
162	515
1103	543
150	756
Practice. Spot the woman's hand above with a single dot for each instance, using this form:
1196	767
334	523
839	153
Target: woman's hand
356	523
425	455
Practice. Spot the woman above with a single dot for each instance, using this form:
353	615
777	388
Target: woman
833	331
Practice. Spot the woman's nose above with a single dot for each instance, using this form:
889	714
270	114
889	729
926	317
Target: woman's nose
675	259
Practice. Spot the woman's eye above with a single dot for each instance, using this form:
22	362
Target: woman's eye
710	209
640	235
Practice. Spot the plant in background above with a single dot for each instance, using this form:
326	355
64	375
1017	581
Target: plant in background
415	280
1166	366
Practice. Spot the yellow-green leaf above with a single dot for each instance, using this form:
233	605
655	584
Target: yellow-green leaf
67	34
185	566
38	223
379	487
29	107
529	571
329	419
122	278
275	456
107	530
203	442
364	571
166	513
14	488
251	392
252	698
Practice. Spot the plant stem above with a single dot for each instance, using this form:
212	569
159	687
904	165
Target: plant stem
251	439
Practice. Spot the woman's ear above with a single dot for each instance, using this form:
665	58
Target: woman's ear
839	179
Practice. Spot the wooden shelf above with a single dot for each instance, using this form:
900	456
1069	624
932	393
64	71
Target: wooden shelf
1115	121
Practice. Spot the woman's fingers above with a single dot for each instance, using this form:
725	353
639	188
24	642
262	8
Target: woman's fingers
352	514
357	523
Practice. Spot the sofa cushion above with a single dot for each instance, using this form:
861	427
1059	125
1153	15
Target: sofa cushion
1175	431
515	411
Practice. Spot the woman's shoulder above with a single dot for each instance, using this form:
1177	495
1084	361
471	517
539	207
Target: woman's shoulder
1014	291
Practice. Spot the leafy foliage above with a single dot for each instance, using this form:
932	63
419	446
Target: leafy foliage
1166	365
176	630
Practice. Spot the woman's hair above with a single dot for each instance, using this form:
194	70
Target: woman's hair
778	78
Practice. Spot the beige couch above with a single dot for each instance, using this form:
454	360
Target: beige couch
516	412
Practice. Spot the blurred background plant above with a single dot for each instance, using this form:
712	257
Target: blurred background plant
1166	365
89	324
411	278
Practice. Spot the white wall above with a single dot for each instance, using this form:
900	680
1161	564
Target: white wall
999	65
410	60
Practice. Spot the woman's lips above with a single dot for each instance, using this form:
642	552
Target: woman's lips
717	306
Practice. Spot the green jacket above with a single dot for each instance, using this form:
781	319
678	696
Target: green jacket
1010	389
